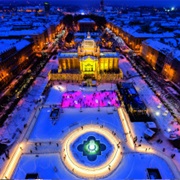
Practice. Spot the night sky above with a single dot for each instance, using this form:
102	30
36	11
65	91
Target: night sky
158	3
125	2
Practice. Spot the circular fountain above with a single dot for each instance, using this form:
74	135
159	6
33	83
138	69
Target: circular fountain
88	152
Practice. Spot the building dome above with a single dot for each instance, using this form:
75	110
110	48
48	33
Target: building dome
88	42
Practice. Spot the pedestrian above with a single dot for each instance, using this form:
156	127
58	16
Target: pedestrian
55	169
57	144
7	156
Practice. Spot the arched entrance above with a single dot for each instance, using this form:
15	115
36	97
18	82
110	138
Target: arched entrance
89	67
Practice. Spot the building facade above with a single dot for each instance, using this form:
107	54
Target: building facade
162	58
88	62
14	57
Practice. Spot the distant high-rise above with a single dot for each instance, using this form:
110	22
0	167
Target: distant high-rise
46	7
102	5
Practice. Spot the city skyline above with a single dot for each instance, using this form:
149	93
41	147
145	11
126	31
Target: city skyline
160	3
89	89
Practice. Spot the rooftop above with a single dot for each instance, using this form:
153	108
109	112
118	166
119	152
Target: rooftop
109	54
86	20
67	55
134	32
163	48
6	44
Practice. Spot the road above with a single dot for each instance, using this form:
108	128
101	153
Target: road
158	85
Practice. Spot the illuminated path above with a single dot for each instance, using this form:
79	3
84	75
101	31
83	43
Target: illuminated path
91	172
143	148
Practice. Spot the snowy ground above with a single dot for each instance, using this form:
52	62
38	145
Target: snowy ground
48	166
157	109
72	118
132	166
164	119
10	132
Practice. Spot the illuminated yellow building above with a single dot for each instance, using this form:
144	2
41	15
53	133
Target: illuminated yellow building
88	62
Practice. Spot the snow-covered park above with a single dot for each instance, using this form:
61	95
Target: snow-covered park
39	150
42	153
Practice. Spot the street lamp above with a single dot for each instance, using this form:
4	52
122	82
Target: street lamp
157	113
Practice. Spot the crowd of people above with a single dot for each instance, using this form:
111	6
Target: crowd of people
79	99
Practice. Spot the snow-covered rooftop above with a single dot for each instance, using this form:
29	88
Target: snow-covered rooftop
133	31
163	48
86	20
67	55
155	44
109	54
6	44
25	32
